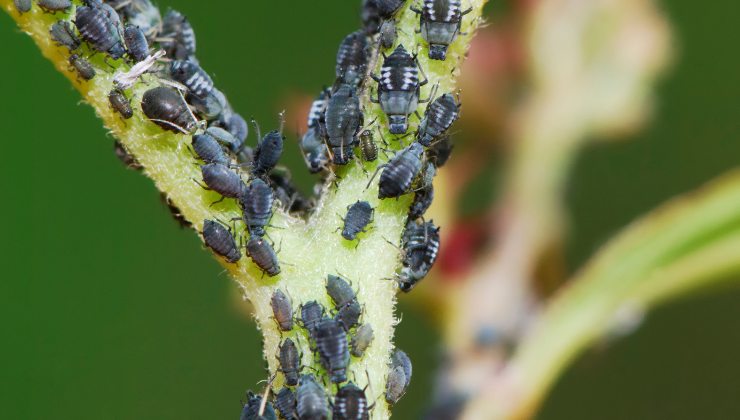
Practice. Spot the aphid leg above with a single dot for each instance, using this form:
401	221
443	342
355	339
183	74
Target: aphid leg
175	126
375	174
218	201
205	187
421	70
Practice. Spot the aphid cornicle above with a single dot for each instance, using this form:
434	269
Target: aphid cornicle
289	362
253	409
120	103
348	314
83	67
361	340
268	153
398	88
190	74
136	44
285	403
311	314
343	122
51	6
209	150
350	403
220	178
282	310
420	244
165	107
401	171
438	118
314	150
177	36
100	26
367	146
440	22
63	34
311	401
220	240
22	6
331	344
422	201
263	255
359	215
339	290
256	205
352	59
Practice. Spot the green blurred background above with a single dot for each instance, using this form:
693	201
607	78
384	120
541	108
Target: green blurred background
109	310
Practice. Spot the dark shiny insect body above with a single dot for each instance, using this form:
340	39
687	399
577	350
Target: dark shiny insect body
282	310
166	107
83	67
395	385
388	33
422	201
311	314
420	244
64	34
125	157
253	409
262	253
440	23
359	215
361	340
349	314
100	26
286	404
368	147
137	45
209	150
220	178
289	361
399	88
350	403
120	103
440	150
438	118
311	401
339	290
401	171
343	122
22	6
268	153
352	59
220	240
331	344
177	37
52	6
314	150
256	205
190	74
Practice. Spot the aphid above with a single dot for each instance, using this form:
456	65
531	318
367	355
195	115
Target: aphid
190	74
262	253
400	358
141	13
63	34
268	152
177	36
375	11
388	33
311	401
314	150
237	126
311	314
175	212
420	244
245	155
361	340
287	193
349	314
439	24
52	6
282	310
136	44
100	26
220	178
120	103
165	107
350	403
289	362
208	149
83	67
427	176
339	290
343	122
209	107
331	344
22	6
125	157
352	59
286	404
368	147
318	108
254	409
395	385
223	137
256	205
387	8
422	201
440	150
401	171
221	241
398	88
359	215
438	118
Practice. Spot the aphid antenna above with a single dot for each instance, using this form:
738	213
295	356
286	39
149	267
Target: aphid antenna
257	127
375	174
366	127
281	115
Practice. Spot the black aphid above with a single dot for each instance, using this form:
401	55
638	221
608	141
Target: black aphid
440	150
256	205
83	67
420	244
190	74
427	176
311	401
398	88
136	44
350	403
211	106
166	107
348	314
253	409
287	193
395	385
331	344
209	150
286	404
311	314
401	171
125	157
352	59
177	36
224	137
361	340
51	6
220	178
100	26
220	240
438	118
175	212
440	22
261	252
400	358
120	103
268	152
339	290
359	215
422	201
368	148
282	310
237	126
289	361
343	122
141	13
64	34
22	6
388	33
314	150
